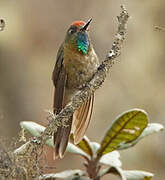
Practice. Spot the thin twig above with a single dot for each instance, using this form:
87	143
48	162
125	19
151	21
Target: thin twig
2	24
159	28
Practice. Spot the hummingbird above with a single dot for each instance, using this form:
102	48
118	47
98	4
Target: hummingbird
76	64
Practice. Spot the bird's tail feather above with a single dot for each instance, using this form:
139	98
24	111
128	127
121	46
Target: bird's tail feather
61	138
82	119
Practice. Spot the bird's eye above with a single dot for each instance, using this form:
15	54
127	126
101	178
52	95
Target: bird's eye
71	31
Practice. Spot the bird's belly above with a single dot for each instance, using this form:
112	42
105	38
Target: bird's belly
79	72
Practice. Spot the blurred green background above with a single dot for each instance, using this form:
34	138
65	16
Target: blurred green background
28	47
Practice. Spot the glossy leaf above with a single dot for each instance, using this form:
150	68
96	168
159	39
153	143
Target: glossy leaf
85	146
125	128
150	129
111	159
138	175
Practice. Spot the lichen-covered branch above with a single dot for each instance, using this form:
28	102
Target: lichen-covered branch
89	88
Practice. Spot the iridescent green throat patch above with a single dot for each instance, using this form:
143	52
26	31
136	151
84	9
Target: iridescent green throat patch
82	42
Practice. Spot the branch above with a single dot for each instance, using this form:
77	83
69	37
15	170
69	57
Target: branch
2	24
88	89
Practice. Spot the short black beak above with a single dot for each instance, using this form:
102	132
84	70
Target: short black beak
84	28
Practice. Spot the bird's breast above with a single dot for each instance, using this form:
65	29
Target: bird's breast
79	67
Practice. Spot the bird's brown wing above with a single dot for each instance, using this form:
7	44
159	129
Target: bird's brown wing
81	119
59	78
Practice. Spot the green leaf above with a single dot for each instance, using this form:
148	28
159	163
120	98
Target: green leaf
68	174
33	128
111	159
95	146
85	146
126	175
150	129
113	170
74	149
138	175
36	129
125	128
